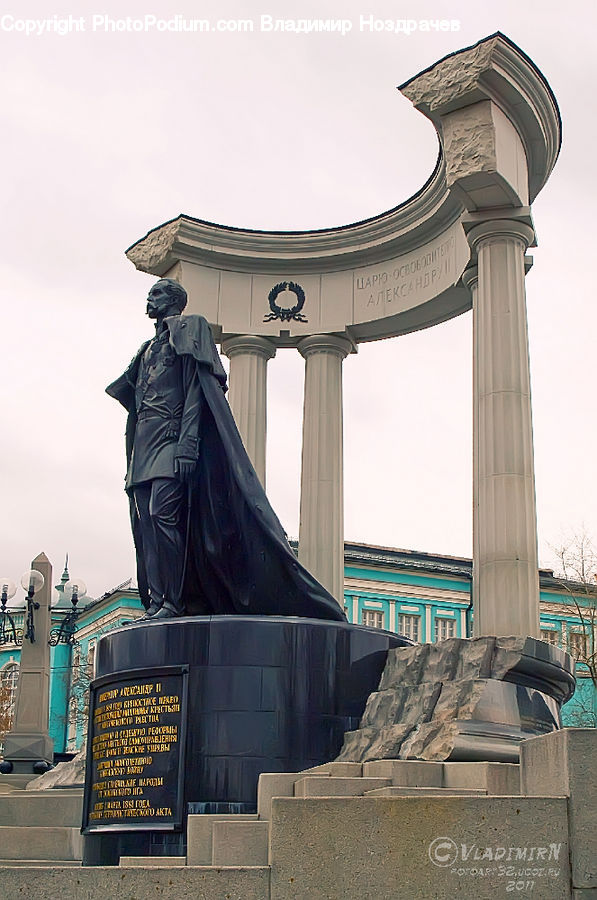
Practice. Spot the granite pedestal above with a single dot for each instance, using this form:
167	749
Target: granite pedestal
264	694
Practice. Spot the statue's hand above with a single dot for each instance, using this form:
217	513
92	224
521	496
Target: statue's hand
184	468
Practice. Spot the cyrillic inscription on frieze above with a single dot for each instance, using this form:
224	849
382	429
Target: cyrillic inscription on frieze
400	284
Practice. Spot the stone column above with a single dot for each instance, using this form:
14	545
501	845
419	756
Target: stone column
28	741
249	355
506	580
321	530
470	279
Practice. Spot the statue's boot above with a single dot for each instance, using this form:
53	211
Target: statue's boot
167	611
152	609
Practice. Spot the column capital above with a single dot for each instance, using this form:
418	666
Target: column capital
337	344
501	228
249	343
470	277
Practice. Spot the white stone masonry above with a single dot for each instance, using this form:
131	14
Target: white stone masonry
321	531
505	542
249	355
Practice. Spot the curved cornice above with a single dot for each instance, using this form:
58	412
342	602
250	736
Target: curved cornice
418	220
494	68
401	270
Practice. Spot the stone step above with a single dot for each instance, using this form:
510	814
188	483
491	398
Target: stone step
97	883
418	846
153	861
55	808
393	791
15	782
45	842
498	779
407	772
339	769
48	863
281	784
315	786
240	843
200	835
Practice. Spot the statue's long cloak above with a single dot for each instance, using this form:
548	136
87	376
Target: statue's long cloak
238	559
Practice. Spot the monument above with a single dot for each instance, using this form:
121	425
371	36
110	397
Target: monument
207	540
243	662
191	704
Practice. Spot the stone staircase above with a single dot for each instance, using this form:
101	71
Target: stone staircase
243	840
346	831
41	828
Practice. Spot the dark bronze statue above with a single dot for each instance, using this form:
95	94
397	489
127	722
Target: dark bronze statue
207	540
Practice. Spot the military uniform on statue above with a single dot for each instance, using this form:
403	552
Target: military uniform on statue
206	537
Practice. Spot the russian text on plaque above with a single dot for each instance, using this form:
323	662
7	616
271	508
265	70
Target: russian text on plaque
135	751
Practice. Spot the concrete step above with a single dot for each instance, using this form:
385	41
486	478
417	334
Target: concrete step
498	779
15	782
339	769
24	842
281	784
407	772
90	883
393	791
153	861
240	843
56	808
315	786
200	835
348	848
47	863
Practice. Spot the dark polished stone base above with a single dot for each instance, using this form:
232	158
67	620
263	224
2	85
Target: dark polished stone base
265	694
463	700
525	703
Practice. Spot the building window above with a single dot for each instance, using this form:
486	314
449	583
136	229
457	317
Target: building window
550	636
578	644
9	680
91	662
444	628
71	733
372	618
76	666
409	626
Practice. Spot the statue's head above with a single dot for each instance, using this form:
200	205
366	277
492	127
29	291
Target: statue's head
166	298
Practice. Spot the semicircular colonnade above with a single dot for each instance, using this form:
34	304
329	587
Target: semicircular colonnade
459	243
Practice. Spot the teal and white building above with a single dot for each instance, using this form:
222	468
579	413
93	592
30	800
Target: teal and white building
422	595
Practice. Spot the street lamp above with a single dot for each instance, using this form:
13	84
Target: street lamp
74	590
8	630
31	582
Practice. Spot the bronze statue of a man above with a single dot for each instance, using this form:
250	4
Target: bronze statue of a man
207	540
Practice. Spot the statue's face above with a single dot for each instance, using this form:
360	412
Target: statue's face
159	301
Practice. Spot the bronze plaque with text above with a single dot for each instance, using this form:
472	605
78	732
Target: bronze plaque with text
135	751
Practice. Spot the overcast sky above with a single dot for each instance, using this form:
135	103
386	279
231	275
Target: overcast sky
105	135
